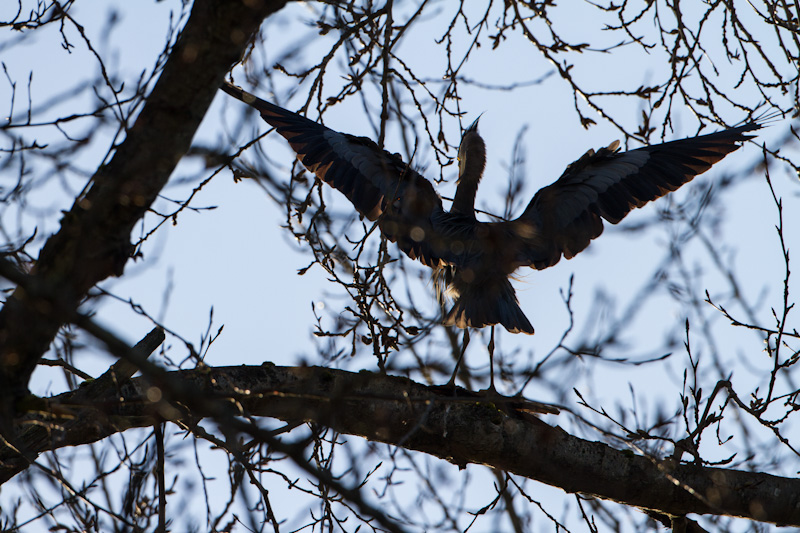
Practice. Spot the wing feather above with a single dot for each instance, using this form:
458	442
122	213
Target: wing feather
380	185
564	217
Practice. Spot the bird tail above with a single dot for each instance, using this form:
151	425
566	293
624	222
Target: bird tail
487	304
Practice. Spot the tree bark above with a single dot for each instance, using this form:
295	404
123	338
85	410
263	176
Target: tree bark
400	412
93	242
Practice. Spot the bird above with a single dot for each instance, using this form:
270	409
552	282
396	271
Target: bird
472	260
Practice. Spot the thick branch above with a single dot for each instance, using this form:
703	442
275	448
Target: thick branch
395	410
93	242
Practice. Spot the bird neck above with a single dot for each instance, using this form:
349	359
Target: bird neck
464	200
471	163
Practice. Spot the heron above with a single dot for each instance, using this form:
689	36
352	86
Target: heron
472	260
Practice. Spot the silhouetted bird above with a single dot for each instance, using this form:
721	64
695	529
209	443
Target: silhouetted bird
473	260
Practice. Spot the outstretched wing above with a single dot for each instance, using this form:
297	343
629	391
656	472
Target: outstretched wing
564	217
380	185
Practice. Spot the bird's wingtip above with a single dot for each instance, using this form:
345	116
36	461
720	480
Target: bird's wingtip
765	119
238	93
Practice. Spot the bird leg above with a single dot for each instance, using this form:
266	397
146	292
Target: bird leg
516	404
490	347
452	383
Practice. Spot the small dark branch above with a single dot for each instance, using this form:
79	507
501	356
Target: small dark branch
386	71
66	366
781	318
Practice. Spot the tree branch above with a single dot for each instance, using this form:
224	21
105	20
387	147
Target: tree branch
398	411
94	240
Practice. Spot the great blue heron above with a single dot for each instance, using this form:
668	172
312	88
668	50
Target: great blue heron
473	260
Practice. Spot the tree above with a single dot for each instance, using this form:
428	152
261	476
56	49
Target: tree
700	325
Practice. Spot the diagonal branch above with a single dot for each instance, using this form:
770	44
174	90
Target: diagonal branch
93	242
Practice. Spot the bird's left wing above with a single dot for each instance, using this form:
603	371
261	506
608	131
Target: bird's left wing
565	216
380	185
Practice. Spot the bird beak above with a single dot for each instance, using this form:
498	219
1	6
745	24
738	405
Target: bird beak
474	126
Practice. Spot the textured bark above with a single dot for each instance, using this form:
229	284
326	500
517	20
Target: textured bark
398	411
93	242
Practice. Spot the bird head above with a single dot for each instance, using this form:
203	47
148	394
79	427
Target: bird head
471	154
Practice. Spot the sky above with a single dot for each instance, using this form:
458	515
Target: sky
236	260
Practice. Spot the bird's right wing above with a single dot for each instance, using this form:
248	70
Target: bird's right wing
380	185
565	216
